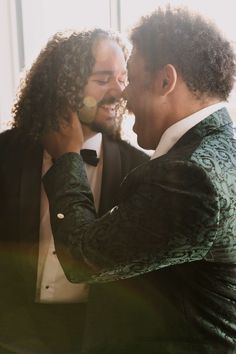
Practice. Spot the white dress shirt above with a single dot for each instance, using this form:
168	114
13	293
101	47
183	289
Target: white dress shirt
52	285
170	137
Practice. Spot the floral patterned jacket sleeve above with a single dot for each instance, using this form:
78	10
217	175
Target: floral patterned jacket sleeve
167	215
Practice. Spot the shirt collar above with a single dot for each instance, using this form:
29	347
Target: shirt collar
94	143
176	131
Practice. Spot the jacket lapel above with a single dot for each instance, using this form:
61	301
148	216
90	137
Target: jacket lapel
30	194
29	216
111	175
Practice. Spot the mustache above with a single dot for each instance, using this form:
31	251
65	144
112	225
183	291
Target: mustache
108	100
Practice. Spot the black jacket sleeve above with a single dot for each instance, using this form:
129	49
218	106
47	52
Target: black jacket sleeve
167	215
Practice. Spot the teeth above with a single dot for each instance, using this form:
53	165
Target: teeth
108	107
110	111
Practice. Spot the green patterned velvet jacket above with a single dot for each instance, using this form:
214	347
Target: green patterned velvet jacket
175	223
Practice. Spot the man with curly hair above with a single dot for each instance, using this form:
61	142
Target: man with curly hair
82	74
175	223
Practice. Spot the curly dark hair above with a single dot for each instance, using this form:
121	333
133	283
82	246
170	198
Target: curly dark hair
199	52
54	85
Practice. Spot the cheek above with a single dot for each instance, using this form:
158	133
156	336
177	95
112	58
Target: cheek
94	90
132	101
135	96
140	105
100	115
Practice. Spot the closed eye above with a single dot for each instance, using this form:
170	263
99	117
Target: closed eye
102	82
123	82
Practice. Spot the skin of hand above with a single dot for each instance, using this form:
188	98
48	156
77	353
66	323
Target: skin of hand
69	138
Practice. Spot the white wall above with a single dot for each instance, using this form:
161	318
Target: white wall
9	67
42	18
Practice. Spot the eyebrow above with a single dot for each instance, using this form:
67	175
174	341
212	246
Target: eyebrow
106	72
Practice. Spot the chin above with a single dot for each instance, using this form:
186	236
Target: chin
107	128
142	144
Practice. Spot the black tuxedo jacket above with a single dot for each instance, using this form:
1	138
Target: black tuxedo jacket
24	326
174	229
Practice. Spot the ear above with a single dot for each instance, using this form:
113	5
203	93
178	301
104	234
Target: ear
167	78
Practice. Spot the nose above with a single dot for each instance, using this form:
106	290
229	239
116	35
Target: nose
116	89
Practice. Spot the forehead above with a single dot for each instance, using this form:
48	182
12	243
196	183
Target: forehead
108	55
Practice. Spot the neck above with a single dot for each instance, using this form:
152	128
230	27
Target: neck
196	106
88	133
184	103
180	104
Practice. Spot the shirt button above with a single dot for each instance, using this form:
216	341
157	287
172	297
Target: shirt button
54	252
60	216
47	286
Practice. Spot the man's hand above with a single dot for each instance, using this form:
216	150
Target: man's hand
69	138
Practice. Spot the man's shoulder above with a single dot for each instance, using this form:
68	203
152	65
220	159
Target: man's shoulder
13	140
7	138
9	135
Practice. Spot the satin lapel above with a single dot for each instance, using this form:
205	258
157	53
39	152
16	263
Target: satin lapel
111	176
30	208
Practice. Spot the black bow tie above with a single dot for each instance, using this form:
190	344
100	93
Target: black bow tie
89	156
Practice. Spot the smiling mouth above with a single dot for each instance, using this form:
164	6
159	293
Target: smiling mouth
109	109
